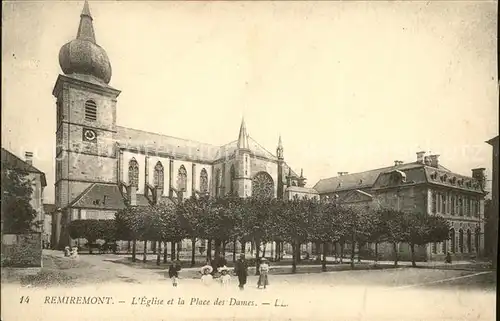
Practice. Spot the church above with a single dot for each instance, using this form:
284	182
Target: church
101	166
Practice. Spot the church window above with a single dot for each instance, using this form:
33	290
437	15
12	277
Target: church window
217	183
204	181
233	176
182	179
158	175
262	185
90	110
133	173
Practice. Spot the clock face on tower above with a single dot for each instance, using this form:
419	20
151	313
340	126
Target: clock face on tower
89	135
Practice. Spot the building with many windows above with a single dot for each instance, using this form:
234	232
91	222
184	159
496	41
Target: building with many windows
422	186
101	165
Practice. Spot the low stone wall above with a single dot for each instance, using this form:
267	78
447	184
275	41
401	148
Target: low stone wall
22	250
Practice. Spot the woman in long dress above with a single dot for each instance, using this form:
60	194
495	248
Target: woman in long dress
264	271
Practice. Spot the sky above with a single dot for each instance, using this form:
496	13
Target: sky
350	86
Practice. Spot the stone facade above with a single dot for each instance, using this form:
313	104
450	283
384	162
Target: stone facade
99	164
423	186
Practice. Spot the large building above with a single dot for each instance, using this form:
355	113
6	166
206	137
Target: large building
12	162
424	186
101	165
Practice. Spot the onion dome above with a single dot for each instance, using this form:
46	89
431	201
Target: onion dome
83	55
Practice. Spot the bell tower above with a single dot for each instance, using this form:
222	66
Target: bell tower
85	119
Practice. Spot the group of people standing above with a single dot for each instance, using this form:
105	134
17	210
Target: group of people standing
240	270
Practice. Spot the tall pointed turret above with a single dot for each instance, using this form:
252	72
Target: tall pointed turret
86	28
243	137
279	149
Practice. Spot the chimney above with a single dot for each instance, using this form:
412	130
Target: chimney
397	162
434	160
28	156
480	176
133	195
420	157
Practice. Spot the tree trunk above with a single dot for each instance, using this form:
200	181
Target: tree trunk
323	261
172	251
294	257
335	255
251	248
153	247
396	256
376	252
129	244
342	245
264	250
359	252
178	251
223	250
412	248
217	249
243	247
193	251
158	253
234	250
134	248
257	258
144	258
298	254
165	252
209	250
352	253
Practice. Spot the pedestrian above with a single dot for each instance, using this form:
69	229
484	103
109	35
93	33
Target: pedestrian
264	270
206	277
225	278
173	273
241	270
448	258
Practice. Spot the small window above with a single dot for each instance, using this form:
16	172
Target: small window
90	110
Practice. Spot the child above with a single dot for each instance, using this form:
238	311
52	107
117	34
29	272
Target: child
173	273
225	278
264	270
206	278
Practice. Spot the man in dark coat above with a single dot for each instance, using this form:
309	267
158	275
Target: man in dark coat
241	270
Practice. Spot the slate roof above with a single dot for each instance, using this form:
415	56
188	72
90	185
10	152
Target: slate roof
94	197
153	143
416	173
11	161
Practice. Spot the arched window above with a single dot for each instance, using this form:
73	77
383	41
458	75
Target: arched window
90	110
452	240
158	175
232	174
469	241
452	204
204	181
461	240
434	202
217	182
182	179
460	206
477	238
434	248
444	245
133	173
262	185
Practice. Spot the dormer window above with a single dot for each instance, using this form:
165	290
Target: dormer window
434	176
444	178
90	110
453	180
